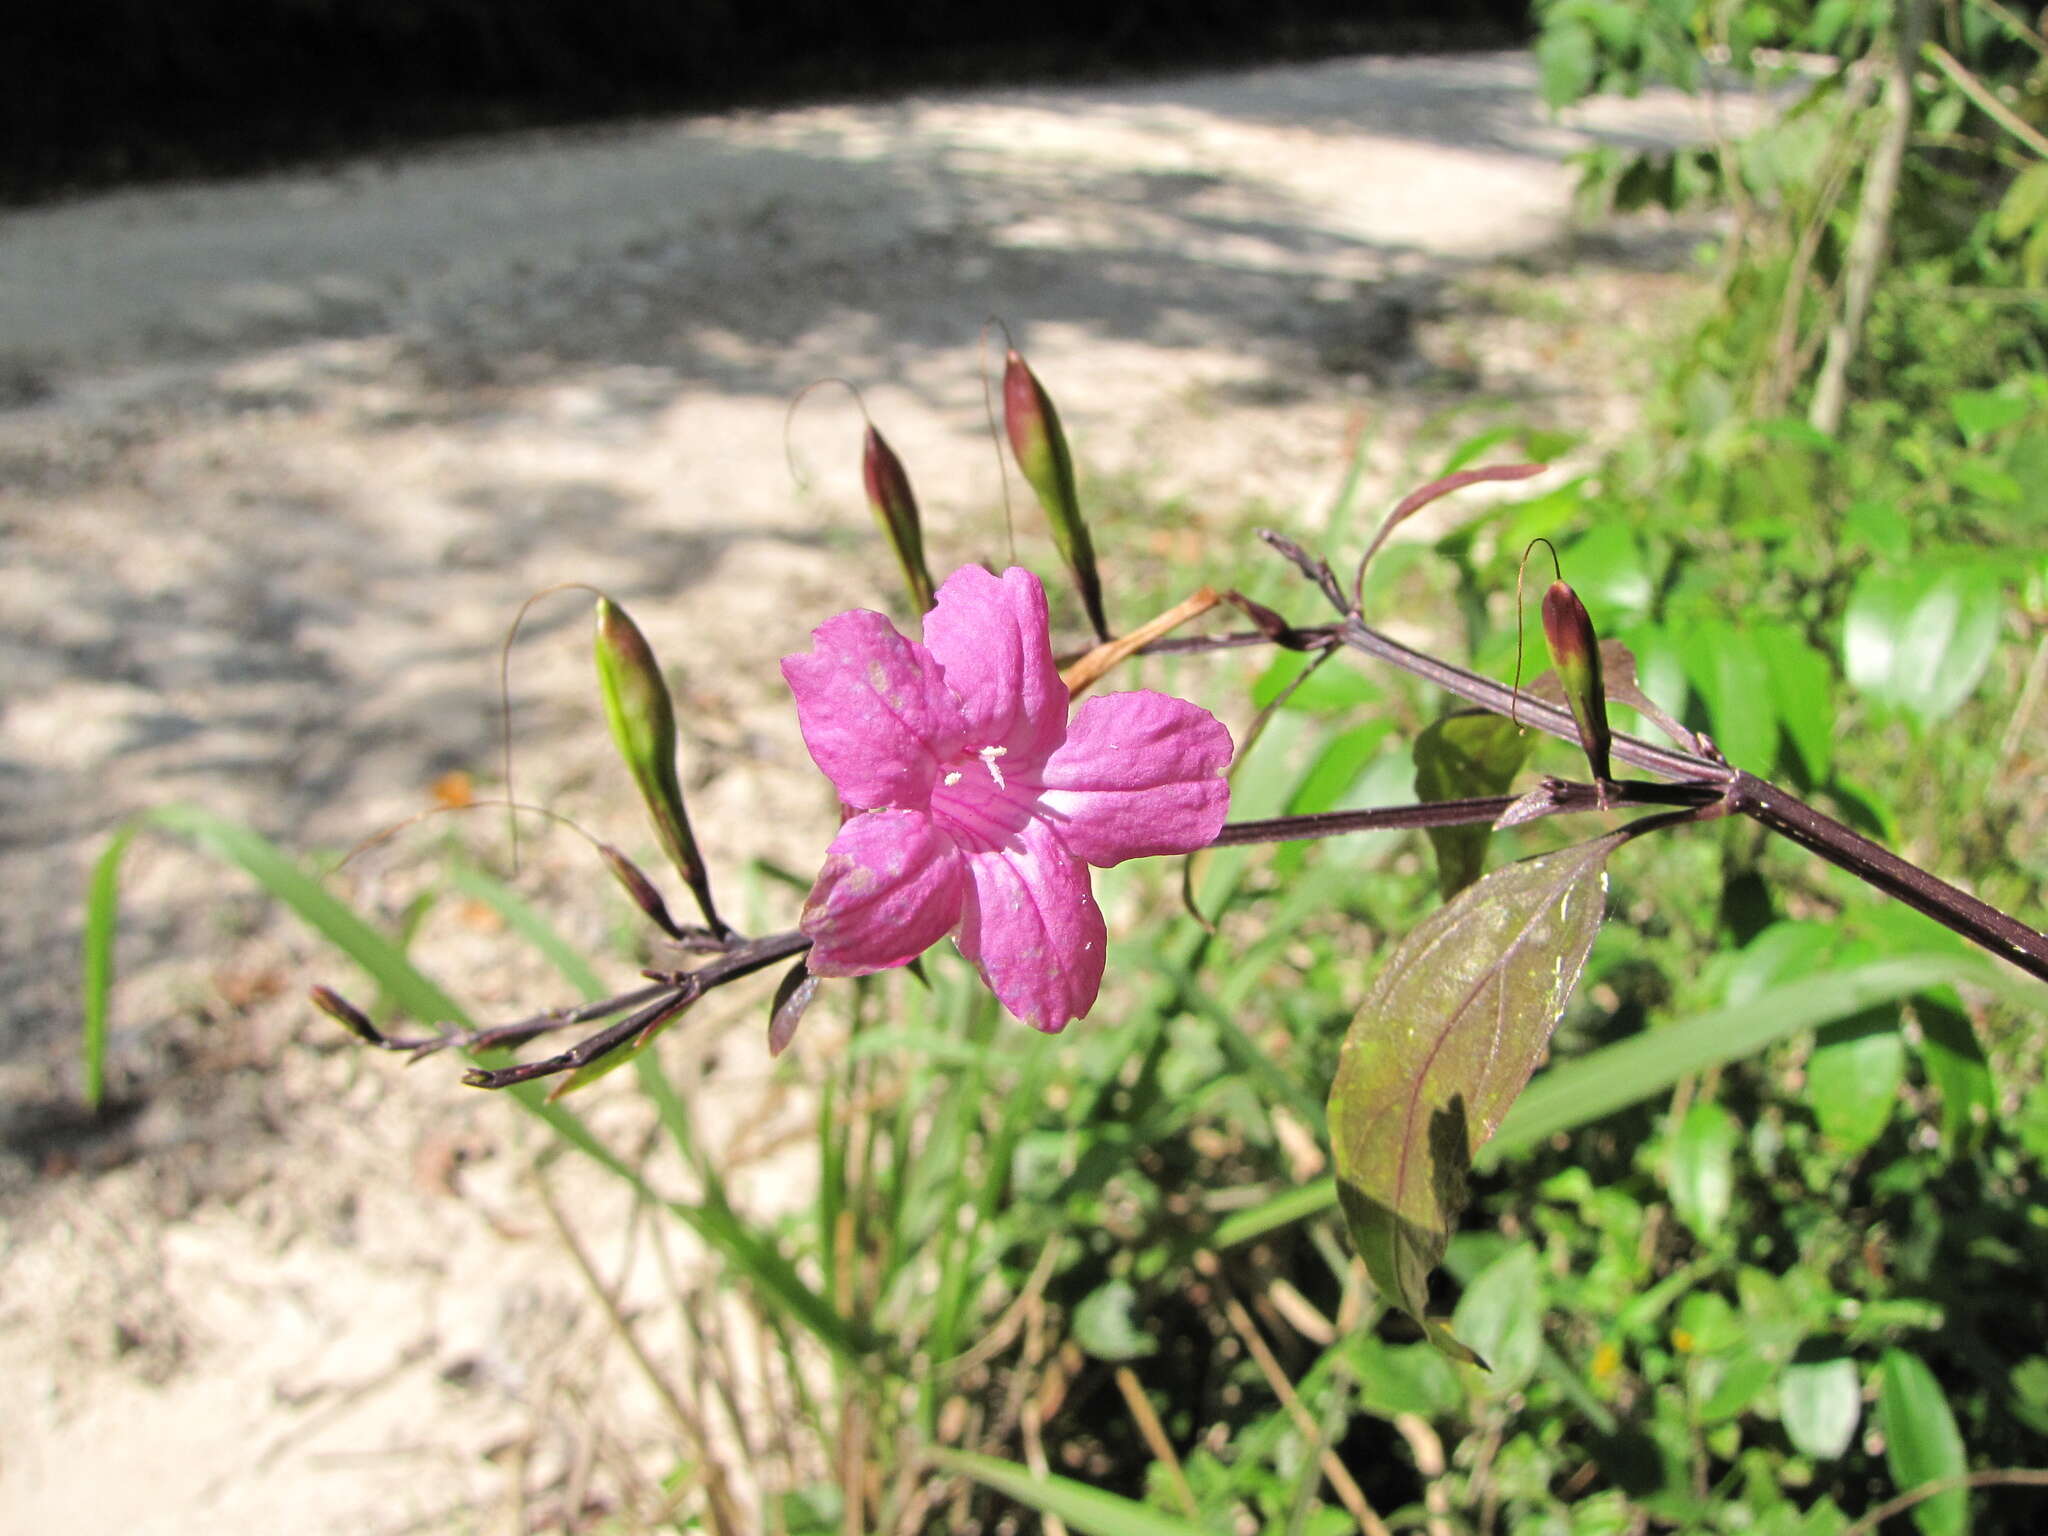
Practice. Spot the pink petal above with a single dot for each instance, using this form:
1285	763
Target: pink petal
1139	773
991	637
1032	926
892	886
875	711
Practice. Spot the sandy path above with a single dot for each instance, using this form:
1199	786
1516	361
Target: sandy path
277	461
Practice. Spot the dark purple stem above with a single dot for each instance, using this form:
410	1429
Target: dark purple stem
673	993
1875	865
1781	812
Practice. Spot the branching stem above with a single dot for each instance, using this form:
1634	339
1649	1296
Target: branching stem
1698	785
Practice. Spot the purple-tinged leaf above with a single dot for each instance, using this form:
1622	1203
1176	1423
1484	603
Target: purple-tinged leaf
1538	802
1436	490
1445	1041
1466	755
793	995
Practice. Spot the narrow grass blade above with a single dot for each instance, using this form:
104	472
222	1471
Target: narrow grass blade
1579	1092
522	919
102	910
379	957
1083	1508
1591	1087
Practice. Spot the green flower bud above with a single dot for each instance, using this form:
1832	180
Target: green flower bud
1575	653
895	508
643	723
1033	426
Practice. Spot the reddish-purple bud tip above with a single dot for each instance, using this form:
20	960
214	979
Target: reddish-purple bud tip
347	1015
1568	627
1040	444
895	508
793	995
1575	653
639	888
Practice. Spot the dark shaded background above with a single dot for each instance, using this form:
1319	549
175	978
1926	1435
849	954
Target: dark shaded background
95	92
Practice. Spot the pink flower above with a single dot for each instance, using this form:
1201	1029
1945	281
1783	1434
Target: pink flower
978	805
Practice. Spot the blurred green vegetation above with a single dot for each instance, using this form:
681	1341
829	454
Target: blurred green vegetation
1765	1247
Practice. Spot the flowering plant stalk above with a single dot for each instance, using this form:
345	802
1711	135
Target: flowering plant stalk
975	806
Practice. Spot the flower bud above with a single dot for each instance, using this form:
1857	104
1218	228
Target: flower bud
895	508
1033	426
639	888
347	1015
1575	653
643	724
793	995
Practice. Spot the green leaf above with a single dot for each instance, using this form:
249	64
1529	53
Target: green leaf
1576	1093
1083	1508
1567	57
1981	412
1724	1386
1580	1092
1955	1063
1854	1075
1607	569
1461	756
1922	642
1702	1167
1921	1442
1328	690
1337	767
1500	1317
1734	678
1877	527
2028	1384
1394	1379
1785	951
1803	693
1819	1402
1445	1041
380	958
1106	1323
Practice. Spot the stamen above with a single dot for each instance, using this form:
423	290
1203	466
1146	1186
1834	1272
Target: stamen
988	755
952	778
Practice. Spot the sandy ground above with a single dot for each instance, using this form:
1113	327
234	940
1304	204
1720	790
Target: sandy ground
278	461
